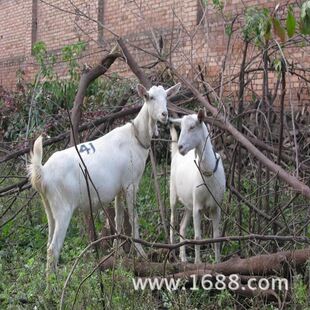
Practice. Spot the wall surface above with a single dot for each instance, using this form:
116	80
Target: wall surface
193	31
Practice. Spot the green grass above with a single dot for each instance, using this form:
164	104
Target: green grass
23	260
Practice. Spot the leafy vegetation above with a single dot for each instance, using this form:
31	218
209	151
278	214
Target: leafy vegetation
305	18
42	107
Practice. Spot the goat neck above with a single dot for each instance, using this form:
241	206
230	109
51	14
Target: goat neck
207	157
144	126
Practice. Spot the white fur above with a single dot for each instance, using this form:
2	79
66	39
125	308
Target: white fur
187	184
115	163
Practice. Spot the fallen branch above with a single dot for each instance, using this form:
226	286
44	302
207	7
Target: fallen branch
134	66
260	265
88	76
65	135
283	175
286	177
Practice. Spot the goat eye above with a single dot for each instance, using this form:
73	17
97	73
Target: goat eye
151	97
192	127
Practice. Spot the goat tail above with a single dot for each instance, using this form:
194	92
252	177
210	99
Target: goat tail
35	167
174	143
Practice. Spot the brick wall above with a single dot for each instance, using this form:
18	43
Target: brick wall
15	41
201	38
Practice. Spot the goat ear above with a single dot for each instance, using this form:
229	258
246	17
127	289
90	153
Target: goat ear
142	92
173	90
176	121
201	115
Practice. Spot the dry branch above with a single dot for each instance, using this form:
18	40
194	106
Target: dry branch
296	184
65	135
260	265
88	76
134	66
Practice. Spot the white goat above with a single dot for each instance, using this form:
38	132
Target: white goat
115	163
197	189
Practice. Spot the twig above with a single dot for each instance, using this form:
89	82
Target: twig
158	195
296	184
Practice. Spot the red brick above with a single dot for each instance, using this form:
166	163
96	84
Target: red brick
207	47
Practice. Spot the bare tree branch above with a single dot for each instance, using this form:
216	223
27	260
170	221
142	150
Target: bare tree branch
287	178
88	76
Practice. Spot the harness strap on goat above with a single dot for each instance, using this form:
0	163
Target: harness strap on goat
210	174
136	136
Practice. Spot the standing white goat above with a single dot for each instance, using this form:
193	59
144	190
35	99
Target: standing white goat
197	189
115	163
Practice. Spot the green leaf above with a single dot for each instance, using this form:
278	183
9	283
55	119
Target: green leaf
266	12
278	29
290	24
305	6
305	18
278	65
268	30
39	47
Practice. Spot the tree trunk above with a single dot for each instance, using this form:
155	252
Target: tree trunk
260	265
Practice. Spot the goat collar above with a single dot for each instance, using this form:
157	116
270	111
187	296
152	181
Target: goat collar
208	174
136	136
